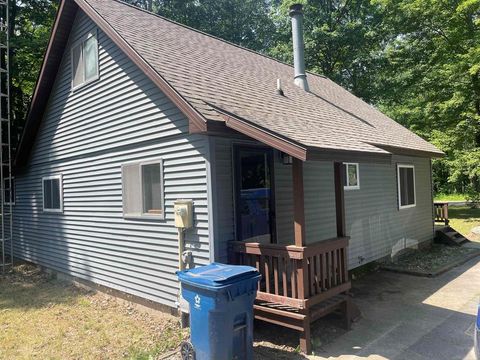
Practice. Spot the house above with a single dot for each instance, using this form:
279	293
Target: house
132	112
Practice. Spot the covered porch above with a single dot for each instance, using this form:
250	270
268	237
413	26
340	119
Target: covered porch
301	280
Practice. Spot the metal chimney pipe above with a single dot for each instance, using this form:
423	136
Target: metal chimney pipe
296	14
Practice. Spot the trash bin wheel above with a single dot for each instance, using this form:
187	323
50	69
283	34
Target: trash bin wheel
187	351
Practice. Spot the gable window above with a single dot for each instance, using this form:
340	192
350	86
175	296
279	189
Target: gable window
406	186
85	61
52	193
9	191
142	189
351	180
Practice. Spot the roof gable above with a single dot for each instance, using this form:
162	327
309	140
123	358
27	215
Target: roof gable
215	82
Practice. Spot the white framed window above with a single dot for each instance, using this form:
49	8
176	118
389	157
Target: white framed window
84	60
142	189
351	178
9	191
406	186
52	190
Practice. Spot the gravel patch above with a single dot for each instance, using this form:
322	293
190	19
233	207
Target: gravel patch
431	261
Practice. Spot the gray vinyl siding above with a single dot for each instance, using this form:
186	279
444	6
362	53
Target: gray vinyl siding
223	198
376	225
224	226
373	221
86	135
318	178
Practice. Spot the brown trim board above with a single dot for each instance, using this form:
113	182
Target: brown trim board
53	57
198	122
267	138
408	152
46	78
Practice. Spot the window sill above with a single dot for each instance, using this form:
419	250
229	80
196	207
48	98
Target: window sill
85	84
144	216
53	211
407	206
351	188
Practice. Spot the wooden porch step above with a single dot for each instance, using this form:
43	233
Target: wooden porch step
450	236
294	318
327	306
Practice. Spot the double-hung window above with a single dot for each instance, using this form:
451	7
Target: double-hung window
351	179
142	189
85	60
52	193
406	186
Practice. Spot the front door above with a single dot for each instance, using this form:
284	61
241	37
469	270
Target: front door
254	194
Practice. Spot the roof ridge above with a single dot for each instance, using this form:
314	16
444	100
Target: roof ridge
213	36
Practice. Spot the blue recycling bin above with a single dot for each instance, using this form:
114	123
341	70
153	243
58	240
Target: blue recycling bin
221	310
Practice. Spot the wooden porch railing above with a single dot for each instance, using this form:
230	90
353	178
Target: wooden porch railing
295	276
441	212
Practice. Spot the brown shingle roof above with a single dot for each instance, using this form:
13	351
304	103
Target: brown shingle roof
213	78
206	70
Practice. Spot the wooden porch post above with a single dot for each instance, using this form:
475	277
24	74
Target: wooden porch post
298	202
339	198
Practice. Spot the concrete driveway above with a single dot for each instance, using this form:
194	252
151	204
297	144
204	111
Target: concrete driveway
403	317
407	317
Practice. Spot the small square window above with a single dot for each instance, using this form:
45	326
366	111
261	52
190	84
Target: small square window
351	180
52	194
85	61
406	186
142	189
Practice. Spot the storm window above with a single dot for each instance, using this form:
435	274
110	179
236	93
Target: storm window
351	180
85	61
406	186
52	194
142	187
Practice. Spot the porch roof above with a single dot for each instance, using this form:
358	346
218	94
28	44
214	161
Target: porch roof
216	83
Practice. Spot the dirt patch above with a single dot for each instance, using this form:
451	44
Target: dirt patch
431	261
43	318
276	342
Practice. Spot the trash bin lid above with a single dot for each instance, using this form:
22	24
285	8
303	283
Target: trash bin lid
216	275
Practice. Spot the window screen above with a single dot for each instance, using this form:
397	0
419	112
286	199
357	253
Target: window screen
91	58
85	61
77	65
142	188
406	186
350	176
52	192
152	189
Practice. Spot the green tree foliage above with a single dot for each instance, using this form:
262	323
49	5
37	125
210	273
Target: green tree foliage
243	22
431	81
343	41
30	25
417	60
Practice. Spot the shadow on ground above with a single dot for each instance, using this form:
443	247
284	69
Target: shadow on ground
27	287
403	317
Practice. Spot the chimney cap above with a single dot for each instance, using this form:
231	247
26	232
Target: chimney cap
296	9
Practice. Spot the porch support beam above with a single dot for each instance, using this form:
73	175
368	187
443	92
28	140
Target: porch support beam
298	202
339	170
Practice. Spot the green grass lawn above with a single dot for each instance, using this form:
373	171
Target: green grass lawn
449	197
463	219
42	318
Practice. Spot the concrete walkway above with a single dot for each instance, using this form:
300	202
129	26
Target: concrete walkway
412	318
